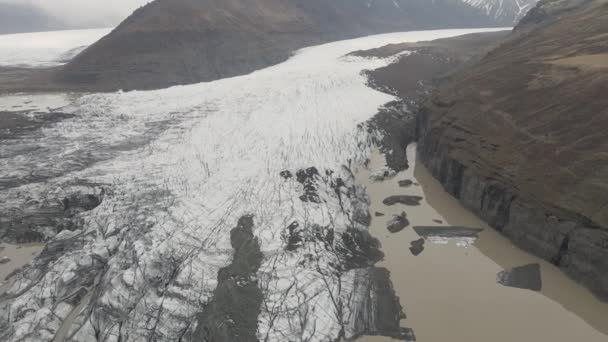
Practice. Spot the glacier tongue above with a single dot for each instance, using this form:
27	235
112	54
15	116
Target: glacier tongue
177	169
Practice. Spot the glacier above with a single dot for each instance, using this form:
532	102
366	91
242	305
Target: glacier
175	170
46	49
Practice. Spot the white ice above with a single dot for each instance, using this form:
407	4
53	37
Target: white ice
44	49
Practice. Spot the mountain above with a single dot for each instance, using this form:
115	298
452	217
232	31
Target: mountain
507	12
19	18
170	42
548	11
520	137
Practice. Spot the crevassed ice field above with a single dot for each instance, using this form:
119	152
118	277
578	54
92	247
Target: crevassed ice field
182	165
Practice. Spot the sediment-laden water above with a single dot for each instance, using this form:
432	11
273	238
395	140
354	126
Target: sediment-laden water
451	289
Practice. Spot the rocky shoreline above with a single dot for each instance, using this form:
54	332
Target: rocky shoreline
519	138
564	237
448	250
412	77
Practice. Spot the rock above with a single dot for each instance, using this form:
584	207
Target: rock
545	192
78	203
585	258
286	174
523	277
403	199
398	131
357	248
417	246
398	223
378	214
4	260
382	174
406	183
294	238
438	221
306	177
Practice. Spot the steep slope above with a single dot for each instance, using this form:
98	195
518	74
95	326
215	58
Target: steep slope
508	12
172	42
521	137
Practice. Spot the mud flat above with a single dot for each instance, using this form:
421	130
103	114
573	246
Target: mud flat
450	291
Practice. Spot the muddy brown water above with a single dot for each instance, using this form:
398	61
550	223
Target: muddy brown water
449	291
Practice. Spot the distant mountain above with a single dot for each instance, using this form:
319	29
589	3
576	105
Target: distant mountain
18	18
507	12
32	17
170	42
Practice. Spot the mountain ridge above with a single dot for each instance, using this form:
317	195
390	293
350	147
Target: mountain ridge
504	10
520	138
167	43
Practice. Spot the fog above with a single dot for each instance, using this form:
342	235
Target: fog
86	13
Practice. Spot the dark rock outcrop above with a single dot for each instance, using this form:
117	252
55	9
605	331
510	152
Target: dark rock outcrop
306	177
78	203
398	223
417	247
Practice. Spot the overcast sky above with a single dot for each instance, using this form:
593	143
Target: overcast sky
83	12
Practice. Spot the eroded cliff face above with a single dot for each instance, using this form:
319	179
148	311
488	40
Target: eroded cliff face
520	138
